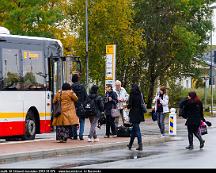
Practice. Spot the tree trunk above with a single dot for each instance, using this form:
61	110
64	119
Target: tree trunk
151	92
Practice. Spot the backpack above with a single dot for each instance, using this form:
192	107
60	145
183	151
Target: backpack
80	92
182	112
90	107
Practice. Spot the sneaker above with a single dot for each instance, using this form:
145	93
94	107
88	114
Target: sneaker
106	136
162	135
96	140
114	136
90	140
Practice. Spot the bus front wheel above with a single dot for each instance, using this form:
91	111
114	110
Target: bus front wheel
30	127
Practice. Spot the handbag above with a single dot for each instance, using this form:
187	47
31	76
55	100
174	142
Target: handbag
203	128
154	115
143	106
115	112
57	107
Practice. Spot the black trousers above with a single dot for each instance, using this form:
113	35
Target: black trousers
193	130
110	123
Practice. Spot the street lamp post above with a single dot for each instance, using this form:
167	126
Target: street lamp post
211	68
211	76
205	92
87	68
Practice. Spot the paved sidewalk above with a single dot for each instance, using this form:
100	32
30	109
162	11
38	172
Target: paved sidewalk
46	146
14	152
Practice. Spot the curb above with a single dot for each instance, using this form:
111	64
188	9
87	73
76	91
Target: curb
74	151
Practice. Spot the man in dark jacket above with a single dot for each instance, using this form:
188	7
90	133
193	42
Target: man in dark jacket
80	91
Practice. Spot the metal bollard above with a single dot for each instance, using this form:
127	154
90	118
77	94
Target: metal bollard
172	122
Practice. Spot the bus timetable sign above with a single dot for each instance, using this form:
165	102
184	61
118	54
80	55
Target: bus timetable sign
110	64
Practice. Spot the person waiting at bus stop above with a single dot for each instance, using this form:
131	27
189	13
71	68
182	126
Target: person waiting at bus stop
109	103
136	116
81	93
122	99
68	115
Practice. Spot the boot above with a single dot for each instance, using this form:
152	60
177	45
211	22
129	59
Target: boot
198	135
129	146
190	147
130	143
140	147
190	139
202	143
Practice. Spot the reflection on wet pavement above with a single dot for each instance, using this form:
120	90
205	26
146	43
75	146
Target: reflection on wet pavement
130	155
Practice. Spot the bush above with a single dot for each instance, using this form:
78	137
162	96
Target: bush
176	93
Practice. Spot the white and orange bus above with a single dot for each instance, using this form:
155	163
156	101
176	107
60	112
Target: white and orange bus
31	71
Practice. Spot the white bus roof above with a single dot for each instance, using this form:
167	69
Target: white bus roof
31	38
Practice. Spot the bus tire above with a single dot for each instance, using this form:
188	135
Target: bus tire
30	127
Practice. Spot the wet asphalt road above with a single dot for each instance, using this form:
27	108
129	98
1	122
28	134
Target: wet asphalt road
169	155
163	155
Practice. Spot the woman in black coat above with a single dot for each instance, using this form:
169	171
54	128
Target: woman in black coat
194	111
109	103
136	115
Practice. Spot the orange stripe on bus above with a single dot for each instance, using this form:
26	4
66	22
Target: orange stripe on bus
19	115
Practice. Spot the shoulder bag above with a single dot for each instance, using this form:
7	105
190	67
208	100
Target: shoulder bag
57	107
143	106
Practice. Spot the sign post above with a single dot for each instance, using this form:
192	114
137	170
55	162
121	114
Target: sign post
110	76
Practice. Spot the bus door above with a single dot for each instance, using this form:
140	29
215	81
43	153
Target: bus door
55	79
71	65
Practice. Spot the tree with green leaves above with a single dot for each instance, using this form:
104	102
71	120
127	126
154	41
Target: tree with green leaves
44	18
110	22
175	32
35	17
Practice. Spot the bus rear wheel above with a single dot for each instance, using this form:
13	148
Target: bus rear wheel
30	127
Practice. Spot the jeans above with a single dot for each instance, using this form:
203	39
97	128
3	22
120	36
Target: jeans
160	121
93	121
135	132
81	128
